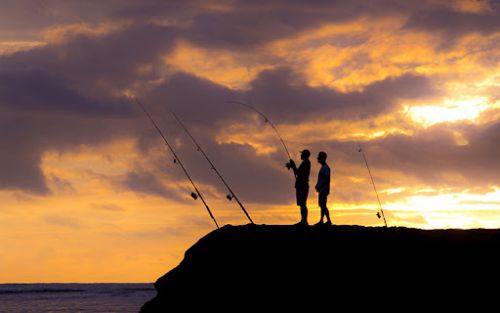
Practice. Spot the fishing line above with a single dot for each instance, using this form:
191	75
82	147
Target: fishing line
267	120
373	183
177	160
231	194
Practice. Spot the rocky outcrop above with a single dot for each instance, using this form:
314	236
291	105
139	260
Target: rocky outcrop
260	267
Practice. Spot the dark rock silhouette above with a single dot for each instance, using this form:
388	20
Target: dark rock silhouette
259	267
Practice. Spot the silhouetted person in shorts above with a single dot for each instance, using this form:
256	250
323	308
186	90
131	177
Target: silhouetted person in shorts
302	183
323	188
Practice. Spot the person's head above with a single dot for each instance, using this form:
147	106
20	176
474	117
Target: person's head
322	157
304	154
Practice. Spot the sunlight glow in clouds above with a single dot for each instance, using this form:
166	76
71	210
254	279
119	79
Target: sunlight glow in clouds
450	110
447	209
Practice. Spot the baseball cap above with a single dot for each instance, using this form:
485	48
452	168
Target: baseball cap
305	151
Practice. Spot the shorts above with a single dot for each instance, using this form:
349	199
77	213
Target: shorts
302	194
322	197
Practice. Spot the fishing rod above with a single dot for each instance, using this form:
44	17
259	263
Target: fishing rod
231	194
177	160
267	120
373	183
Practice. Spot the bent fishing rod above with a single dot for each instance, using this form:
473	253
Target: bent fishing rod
231	194
373	183
267	120
177	160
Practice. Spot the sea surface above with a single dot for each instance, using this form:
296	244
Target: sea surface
95	298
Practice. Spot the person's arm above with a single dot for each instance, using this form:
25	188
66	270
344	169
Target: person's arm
293	166
321	179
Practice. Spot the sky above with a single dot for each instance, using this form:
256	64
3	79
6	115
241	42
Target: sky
89	192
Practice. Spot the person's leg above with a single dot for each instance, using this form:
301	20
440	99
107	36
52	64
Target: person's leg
321	205
303	213
324	209
303	208
301	202
327	214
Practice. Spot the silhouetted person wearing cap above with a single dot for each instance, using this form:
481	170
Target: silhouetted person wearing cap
302	183
323	188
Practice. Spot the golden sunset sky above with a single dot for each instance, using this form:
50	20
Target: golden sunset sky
89	192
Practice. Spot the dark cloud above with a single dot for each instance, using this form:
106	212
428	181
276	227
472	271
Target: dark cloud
285	97
455	24
96	67
237	24
248	25
42	92
195	99
433	156
283	94
247	29
20	167
61	96
178	12
23	19
25	136
253	178
148	183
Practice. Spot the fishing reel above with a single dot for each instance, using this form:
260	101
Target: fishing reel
378	215
229	197
194	196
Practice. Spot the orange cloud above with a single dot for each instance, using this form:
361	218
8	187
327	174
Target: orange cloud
350	56
58	34
219	66
11	47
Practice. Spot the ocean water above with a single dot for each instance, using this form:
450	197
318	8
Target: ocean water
95	298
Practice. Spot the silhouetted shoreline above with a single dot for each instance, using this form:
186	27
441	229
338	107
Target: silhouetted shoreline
282	267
